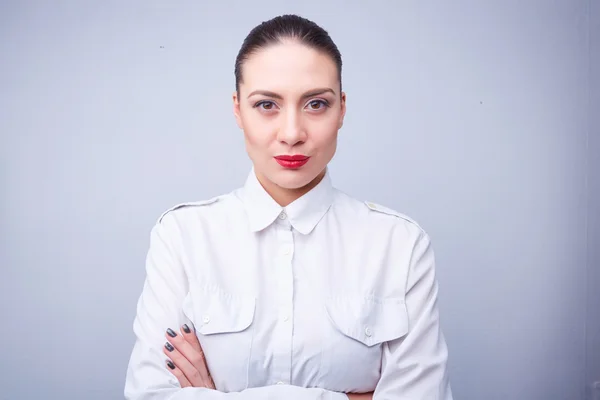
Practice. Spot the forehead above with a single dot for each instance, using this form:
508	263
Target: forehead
289	67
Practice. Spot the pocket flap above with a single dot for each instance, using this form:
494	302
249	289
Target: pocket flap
370	320
212	310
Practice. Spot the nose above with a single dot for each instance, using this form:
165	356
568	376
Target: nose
291	131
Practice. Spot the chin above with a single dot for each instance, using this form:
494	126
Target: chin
293	179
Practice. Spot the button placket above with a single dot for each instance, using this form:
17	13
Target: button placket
285	294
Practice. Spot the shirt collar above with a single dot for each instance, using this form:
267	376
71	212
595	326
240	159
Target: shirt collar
303	213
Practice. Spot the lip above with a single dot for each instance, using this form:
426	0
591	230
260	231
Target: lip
292	161
296	157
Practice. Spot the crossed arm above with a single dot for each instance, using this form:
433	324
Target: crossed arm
188	364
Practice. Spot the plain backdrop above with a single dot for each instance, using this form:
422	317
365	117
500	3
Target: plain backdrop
478	119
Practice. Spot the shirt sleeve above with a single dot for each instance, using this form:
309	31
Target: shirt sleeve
160	307
414	366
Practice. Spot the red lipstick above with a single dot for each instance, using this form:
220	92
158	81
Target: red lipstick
292	162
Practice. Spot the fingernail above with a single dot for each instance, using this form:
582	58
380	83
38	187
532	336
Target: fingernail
170	365
186	328
171	333
169	347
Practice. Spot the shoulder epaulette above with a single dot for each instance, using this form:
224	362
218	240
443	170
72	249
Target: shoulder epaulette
389	211
188	204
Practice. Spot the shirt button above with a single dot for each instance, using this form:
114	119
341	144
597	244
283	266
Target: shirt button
283	215
280	383
287	250
206	319
368	331
285	318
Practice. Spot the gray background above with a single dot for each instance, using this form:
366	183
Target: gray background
478	119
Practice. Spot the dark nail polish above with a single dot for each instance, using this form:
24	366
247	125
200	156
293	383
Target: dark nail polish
170	365
171	333
186	328
169	347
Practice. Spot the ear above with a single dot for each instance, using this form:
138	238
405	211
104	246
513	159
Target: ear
343	113
236	110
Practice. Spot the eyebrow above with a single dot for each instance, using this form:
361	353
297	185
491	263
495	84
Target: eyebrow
274	95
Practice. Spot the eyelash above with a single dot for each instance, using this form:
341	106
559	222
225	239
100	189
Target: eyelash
324	103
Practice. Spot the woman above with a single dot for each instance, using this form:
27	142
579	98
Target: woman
288	288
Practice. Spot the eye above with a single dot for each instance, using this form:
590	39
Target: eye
265	105
316	105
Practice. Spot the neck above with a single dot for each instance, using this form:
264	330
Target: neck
284	196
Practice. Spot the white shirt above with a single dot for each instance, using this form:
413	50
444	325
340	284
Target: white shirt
326	296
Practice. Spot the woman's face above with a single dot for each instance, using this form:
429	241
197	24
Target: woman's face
289	104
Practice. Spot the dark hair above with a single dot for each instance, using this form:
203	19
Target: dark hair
287	27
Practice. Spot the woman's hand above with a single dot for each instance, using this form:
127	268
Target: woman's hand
187	360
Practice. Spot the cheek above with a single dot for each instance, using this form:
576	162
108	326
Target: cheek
254	141
324	133
258	134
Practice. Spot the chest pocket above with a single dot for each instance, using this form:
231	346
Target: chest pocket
359	326
223	324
